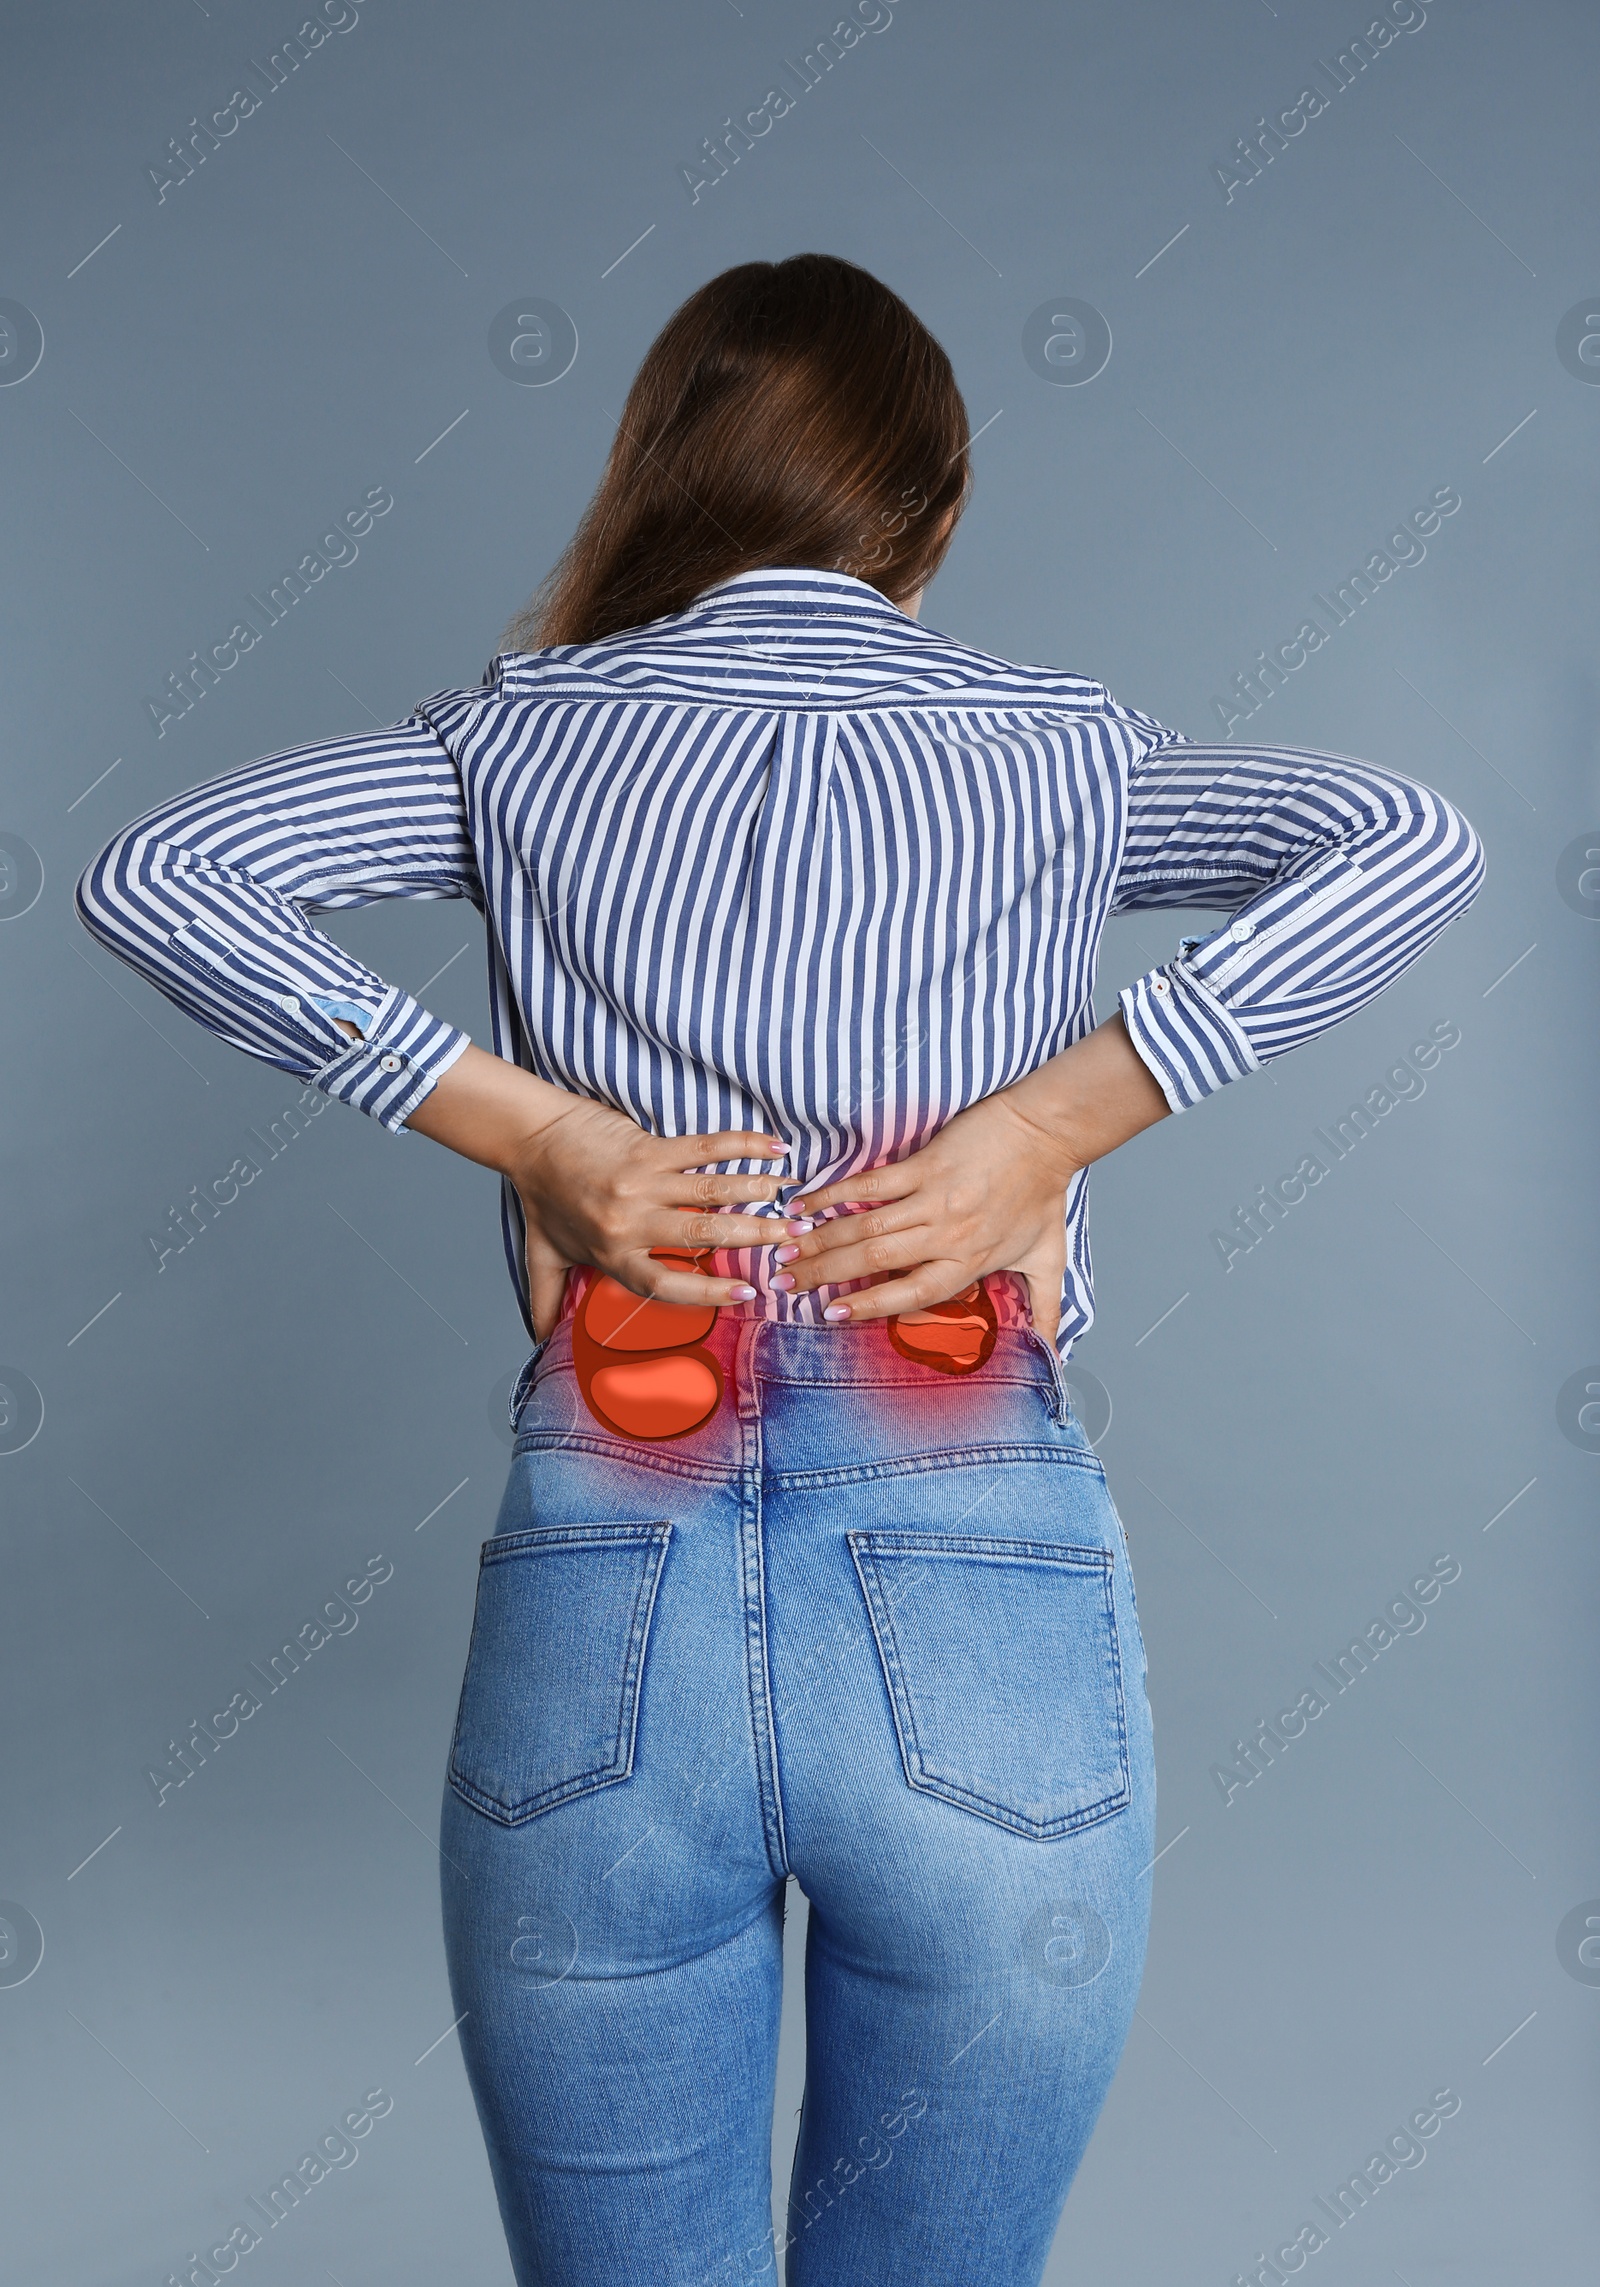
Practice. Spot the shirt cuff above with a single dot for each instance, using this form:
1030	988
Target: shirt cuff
1185	1035
387	1074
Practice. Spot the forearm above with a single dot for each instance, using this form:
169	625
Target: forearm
1338	874
489	1110
1090	1098
483	1107
208	897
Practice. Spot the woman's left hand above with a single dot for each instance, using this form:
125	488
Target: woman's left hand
988	1193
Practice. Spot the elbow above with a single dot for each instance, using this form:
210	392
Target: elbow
88	894
1441	850
1468	862
94	897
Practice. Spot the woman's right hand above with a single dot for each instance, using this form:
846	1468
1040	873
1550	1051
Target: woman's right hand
595	1188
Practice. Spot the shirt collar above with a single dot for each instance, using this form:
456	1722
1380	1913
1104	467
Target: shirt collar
799	592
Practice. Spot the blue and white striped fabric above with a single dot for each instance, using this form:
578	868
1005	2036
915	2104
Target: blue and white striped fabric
786	860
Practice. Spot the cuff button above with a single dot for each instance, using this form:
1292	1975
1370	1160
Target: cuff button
1241	930
390	1063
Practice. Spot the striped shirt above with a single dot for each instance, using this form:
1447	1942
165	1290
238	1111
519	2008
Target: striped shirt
791	861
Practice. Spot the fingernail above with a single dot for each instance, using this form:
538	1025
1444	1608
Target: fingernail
782	1282
801	1225
743	1293
837	1310
785	1254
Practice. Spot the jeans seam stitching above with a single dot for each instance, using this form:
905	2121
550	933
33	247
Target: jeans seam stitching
641	1456
753	1590
638	1631
499	1548
1042	1830
887	1663
947	1457
1069	1555
1114	1654
549	1799
927	1378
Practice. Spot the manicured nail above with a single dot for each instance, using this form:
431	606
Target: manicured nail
782	1282
743	1293
785	1254
837	1310
800	1225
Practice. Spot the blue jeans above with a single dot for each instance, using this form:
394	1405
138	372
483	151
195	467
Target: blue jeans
871	1626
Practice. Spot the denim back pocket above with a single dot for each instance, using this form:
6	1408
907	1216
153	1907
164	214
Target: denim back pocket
550	1702
1003	1672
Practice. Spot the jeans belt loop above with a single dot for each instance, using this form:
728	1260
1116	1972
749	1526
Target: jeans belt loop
746	1392
523	1383
1060	1397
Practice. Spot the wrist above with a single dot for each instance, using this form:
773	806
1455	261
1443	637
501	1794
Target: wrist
1046	1127
530	1130
491	1111
1093	1096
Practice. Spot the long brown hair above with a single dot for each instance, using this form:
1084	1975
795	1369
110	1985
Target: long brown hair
789	413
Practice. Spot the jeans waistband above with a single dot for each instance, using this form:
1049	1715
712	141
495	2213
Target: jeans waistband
750	1345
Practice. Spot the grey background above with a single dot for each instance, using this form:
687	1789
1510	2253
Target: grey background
311	1383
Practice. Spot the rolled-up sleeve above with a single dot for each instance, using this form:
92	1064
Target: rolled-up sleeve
207	896
1339	874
